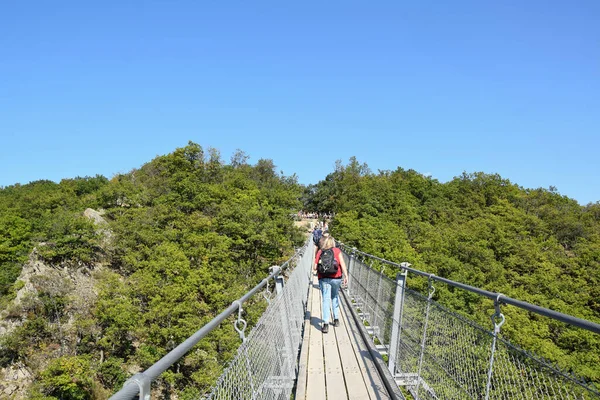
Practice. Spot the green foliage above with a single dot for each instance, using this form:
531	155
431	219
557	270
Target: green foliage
14	234
71	239
24	340
9	272
111	373
480	229
84	186
190	393
52	296
116	316
188	235
14	244
43	211
68	378
192	235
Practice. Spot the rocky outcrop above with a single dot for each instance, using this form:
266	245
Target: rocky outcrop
77	284
95	216
14	382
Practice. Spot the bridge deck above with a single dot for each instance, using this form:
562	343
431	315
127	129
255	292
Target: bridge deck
335	365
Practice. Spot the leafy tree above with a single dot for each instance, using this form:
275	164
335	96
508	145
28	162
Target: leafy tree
189	235
68	378
71	239
14	244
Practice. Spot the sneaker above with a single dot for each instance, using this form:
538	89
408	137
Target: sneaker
336	322
325	328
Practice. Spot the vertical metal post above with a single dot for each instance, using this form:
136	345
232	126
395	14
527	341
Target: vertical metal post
405	273
351	270
397	320
376	323
366	298
278	279
497	325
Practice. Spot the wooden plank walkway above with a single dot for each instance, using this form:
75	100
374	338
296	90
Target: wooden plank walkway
335	365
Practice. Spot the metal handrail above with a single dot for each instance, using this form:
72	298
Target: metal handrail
569	319
141	382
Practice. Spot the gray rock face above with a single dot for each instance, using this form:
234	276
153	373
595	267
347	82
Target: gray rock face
101	223
15	381
95	216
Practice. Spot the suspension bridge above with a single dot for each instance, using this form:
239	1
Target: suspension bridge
392	343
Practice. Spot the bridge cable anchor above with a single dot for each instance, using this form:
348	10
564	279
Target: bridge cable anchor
431	287
267	293
498	316
240	320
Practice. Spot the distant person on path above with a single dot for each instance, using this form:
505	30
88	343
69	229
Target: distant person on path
331	270
317	234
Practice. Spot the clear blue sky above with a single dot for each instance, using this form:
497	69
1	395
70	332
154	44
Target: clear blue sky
509	87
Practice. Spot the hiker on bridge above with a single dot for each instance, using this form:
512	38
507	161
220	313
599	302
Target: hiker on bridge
317	236
331	271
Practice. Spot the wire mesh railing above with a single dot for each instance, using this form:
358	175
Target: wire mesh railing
266	363
436	353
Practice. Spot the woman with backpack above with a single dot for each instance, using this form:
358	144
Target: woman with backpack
331	270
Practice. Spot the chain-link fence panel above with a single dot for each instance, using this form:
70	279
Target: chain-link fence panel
443	355
411	331
384	311
455	356
370	295
520	375
359	284
266	363
370	292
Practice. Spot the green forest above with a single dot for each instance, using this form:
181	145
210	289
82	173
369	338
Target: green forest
187	233
480	229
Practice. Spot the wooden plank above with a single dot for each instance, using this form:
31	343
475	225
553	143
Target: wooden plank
374	385
315	384
334	377
355	382
300	393
336	365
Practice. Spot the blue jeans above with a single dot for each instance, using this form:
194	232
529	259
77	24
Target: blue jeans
329	292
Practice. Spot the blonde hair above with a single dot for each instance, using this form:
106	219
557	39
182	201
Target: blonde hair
328	243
